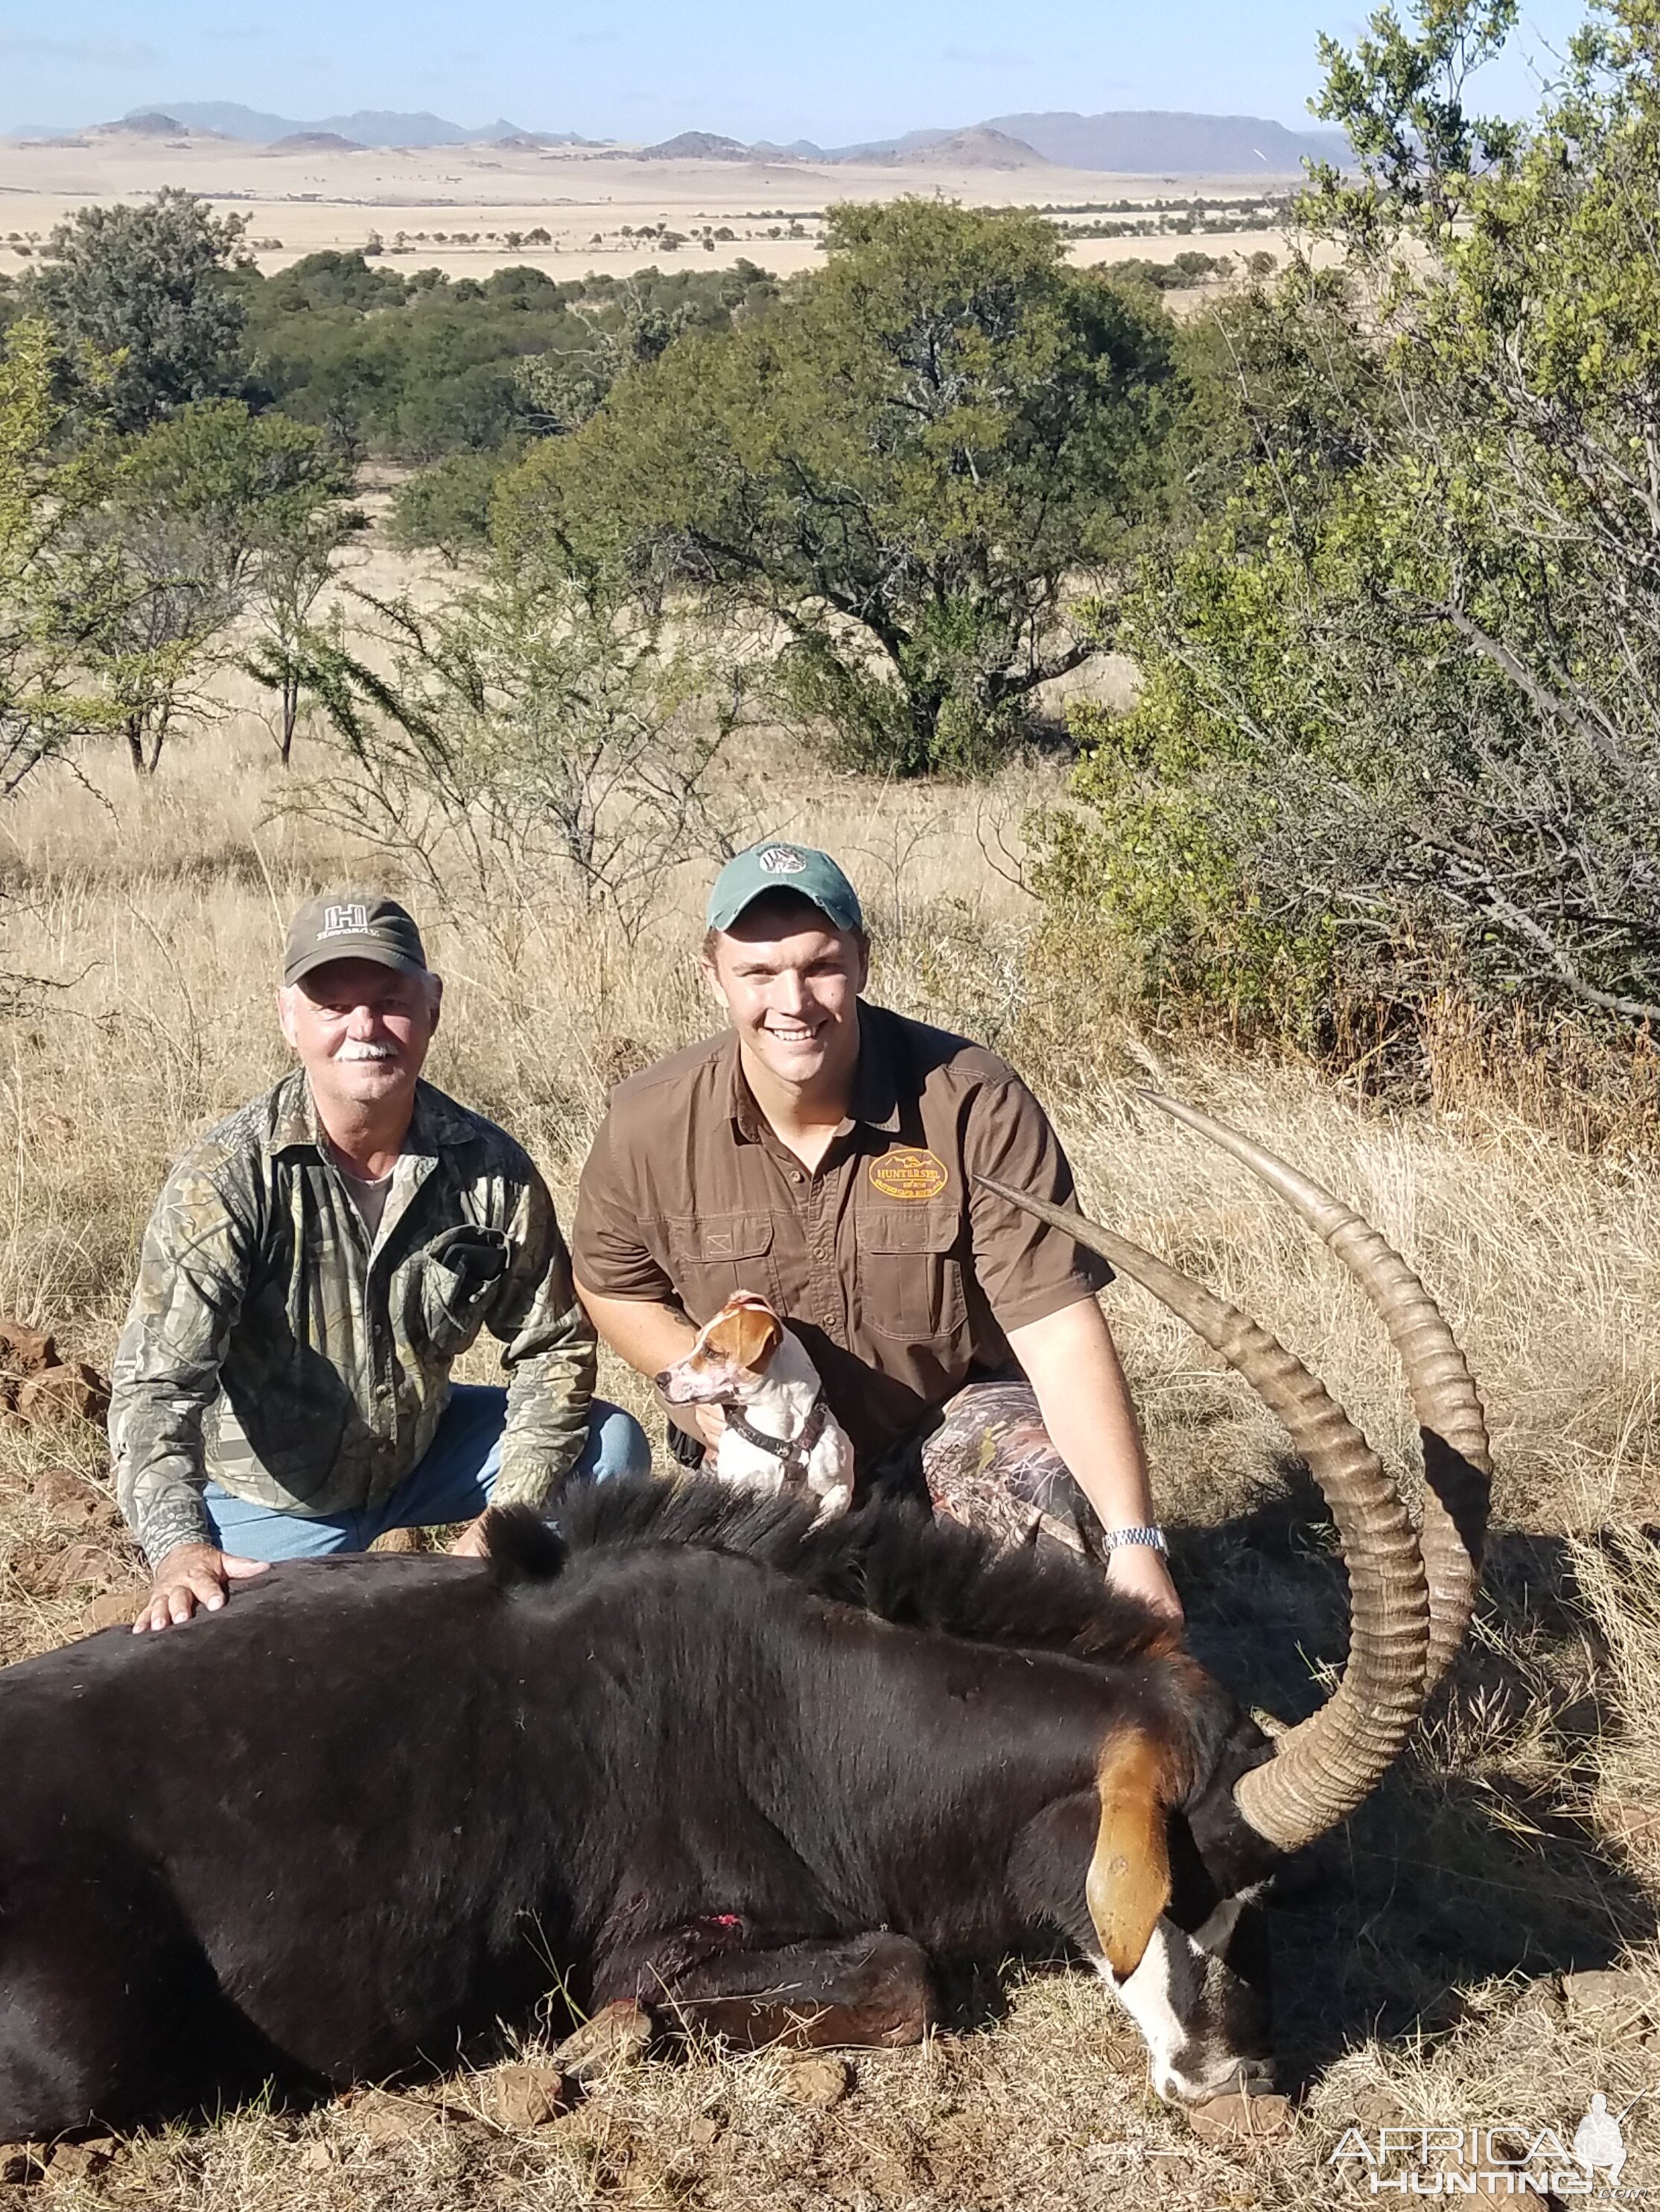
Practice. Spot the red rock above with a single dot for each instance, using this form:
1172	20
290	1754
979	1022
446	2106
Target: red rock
1238	2119
83	1563
117	1609
1377	2107
68	1499
22	2162
525	2096
386	2119
72	1391
35	1566
79	2162
30	1350
818	2080
1635	1824
396	1540
618	2035
1617	1998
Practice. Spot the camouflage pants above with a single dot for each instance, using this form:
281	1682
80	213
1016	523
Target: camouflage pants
990	1463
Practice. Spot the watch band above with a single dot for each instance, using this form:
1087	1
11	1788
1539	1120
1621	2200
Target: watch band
1152	1538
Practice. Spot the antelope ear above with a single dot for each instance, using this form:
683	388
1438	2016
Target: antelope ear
748	1336
1128	1883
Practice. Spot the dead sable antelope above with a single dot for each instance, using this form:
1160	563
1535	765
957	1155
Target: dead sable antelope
693	1747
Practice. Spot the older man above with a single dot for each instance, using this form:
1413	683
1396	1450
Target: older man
823	1153
313	1268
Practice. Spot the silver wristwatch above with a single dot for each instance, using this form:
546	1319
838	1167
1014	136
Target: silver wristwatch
1152	1538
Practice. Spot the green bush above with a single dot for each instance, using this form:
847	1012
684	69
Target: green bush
1400	720
913	465
417	367
445	509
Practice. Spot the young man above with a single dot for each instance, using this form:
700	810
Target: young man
823	1152
314	1267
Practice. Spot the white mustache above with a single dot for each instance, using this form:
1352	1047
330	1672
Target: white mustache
353	1050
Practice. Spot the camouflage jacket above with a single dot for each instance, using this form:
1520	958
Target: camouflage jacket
270	1348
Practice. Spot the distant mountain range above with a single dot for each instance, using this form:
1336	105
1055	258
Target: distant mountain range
367	126
981	148
1185	145
1132	142
1129	143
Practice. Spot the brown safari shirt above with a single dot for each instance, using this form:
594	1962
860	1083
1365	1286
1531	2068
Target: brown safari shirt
899	1274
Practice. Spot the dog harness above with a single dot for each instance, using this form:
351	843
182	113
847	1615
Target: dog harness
792	1451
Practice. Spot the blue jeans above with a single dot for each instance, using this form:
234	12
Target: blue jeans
451	1483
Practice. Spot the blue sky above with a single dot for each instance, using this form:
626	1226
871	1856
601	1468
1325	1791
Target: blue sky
630	69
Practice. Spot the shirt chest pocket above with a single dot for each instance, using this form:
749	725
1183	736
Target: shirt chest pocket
713	1256
459	1274
910	1278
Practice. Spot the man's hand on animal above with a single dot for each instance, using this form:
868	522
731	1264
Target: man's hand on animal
313	1268
1140	1571
473	1542
192	1574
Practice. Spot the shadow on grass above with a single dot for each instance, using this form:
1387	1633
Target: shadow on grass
1454	1874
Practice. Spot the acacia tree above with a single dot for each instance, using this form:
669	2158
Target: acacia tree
52	589
563	389
530	749
1401	716
214	514
145	292
912	467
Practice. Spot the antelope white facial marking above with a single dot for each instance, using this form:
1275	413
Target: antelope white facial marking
1163	1997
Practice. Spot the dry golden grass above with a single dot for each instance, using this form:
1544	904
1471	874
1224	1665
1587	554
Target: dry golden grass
1510	1847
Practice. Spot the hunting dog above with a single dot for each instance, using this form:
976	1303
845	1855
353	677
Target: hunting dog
779	1433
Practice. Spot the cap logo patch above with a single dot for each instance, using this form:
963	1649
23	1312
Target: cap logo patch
781	860
344	922
909	1174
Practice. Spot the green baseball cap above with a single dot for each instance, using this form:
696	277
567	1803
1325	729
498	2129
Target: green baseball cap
352	926
777	866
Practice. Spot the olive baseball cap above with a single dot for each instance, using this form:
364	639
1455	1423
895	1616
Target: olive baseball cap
777	865
352	926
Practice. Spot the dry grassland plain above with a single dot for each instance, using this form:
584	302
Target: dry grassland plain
299	203
1421	1957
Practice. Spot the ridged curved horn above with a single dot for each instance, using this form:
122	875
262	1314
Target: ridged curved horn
1457	1461
1326	1765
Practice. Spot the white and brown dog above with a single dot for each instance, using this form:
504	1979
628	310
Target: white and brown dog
779	1431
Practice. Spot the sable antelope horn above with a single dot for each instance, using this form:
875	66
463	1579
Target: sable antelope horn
1328	1764
1457	1462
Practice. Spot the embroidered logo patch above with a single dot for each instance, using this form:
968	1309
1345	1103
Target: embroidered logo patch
344	922
910	1173
780	860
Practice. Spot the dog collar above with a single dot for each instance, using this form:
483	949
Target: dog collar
792	1451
